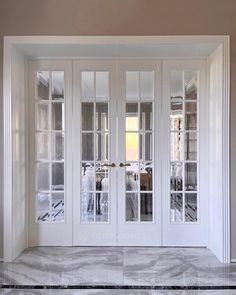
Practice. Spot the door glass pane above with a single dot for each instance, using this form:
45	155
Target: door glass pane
102	177
176	208
191	84
57	176
132	174
176	115
146	123
131	120
190	116
57	146
88	176
146	207
145	146
42	115
42	172
191	146
87	207
87	146
58	205
42	146
146	176
102	146
132	85
87	116
57	116
176	146
88	85
102	116
176	176
132	142
176	85
43	85
191	176
43	207
102	207
57	85
146	85
190	207
102	85
131	207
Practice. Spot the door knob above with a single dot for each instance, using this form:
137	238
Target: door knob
123	165
110	165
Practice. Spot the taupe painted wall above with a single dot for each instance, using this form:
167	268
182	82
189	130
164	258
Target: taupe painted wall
125	17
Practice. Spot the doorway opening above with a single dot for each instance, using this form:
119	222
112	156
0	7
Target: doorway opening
117	142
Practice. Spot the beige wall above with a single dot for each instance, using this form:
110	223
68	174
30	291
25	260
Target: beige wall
125	17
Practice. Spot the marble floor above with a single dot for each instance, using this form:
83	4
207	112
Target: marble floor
116	266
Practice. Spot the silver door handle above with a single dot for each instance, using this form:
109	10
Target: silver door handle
124	165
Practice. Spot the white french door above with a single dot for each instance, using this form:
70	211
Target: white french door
117	153
114	119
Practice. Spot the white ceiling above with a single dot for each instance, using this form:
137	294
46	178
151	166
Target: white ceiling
118	50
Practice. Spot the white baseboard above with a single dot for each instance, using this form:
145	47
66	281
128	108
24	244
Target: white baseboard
233	260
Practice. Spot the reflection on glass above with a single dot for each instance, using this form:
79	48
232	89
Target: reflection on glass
191	84
190	116
102	85
101	116
43	84
176	85
43	207
57	116
132	117
176	115
132	85
87	147
57	85
191	207
87	116
176	208
101	146
42	116
191	176
131	207
146	123
146	85
132	173
58	176
101	207
88	85
146	176
176	146
176	176
145	146
42	171
42	146
102	177
132	146
191	146
87	207
146	207
58	207
87	173
58	146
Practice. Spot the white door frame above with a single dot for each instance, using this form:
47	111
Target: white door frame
9	44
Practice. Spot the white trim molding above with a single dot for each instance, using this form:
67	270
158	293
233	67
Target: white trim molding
226	149
12	41
7	145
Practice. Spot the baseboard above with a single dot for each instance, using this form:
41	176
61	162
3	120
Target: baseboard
233	260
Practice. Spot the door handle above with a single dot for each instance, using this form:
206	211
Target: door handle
123	165
110	165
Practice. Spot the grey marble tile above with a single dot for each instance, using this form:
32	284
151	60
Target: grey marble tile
117	266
